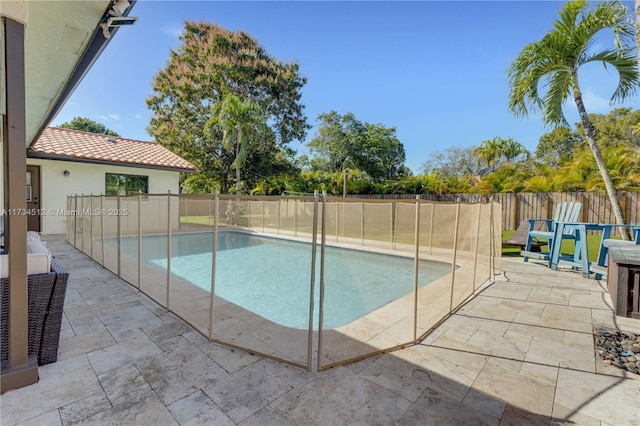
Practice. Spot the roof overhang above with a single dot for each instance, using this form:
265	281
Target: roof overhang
57	157
62	41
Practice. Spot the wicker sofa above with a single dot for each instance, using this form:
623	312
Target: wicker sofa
45	299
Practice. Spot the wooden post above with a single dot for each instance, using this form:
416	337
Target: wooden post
514	217
624	204
21	370
584	214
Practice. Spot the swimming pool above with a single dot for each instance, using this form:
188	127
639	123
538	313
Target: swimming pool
271	277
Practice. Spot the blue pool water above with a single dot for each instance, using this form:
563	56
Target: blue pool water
271	277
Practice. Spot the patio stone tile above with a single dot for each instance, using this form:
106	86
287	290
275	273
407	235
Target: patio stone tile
127	317
291	375
567	318
100	294
484	403
510	345
82	336
123	384
330	398
52	418
385	408
521	417
554	354
86	407
265	417
507	290
246	391
131	347
539	373
564	415
489	308
96	309
146	409
449	372
579	340
74	376
436	408
168	328
72	299
179	371
593	395
543	333
397	378
230	359
503	379
192	406
581	299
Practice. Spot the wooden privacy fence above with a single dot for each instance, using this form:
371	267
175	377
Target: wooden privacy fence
596	208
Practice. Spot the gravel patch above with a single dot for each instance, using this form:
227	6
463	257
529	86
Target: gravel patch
619	349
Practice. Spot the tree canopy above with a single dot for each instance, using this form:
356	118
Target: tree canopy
211	63
88	125
344	142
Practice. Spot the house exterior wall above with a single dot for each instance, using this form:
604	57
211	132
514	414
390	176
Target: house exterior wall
86	179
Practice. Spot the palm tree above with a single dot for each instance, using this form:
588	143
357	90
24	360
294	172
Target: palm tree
488	152
557	58
511	149
239	122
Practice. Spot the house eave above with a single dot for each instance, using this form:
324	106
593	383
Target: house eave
59	157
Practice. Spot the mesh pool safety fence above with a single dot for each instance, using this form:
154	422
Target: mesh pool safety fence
306	280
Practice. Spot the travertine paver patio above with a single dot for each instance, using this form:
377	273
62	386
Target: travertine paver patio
520	352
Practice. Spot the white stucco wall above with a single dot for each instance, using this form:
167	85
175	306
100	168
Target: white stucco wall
86	179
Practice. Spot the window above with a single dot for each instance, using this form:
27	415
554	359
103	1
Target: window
126	184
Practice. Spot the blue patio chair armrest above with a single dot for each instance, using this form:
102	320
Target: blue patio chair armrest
541	234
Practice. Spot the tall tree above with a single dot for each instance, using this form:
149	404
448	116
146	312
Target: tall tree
558	57
344	142
512	150
88	125
488	153
211	63
338	140
557	147
382	155
241	124
455	162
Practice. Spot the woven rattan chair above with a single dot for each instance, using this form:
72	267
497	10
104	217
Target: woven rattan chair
45	301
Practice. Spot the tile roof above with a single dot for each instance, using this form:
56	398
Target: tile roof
74	145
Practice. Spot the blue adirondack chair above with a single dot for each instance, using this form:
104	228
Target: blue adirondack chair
565	212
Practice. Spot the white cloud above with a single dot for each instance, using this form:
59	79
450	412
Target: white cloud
109	117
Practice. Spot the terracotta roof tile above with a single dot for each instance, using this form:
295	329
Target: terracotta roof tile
57	143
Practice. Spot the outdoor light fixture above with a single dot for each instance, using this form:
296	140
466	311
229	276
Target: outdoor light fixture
119	8
66	173
117	19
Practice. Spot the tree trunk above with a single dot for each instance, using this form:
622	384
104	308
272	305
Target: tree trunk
592	140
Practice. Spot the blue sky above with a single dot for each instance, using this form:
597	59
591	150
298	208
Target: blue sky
435	70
